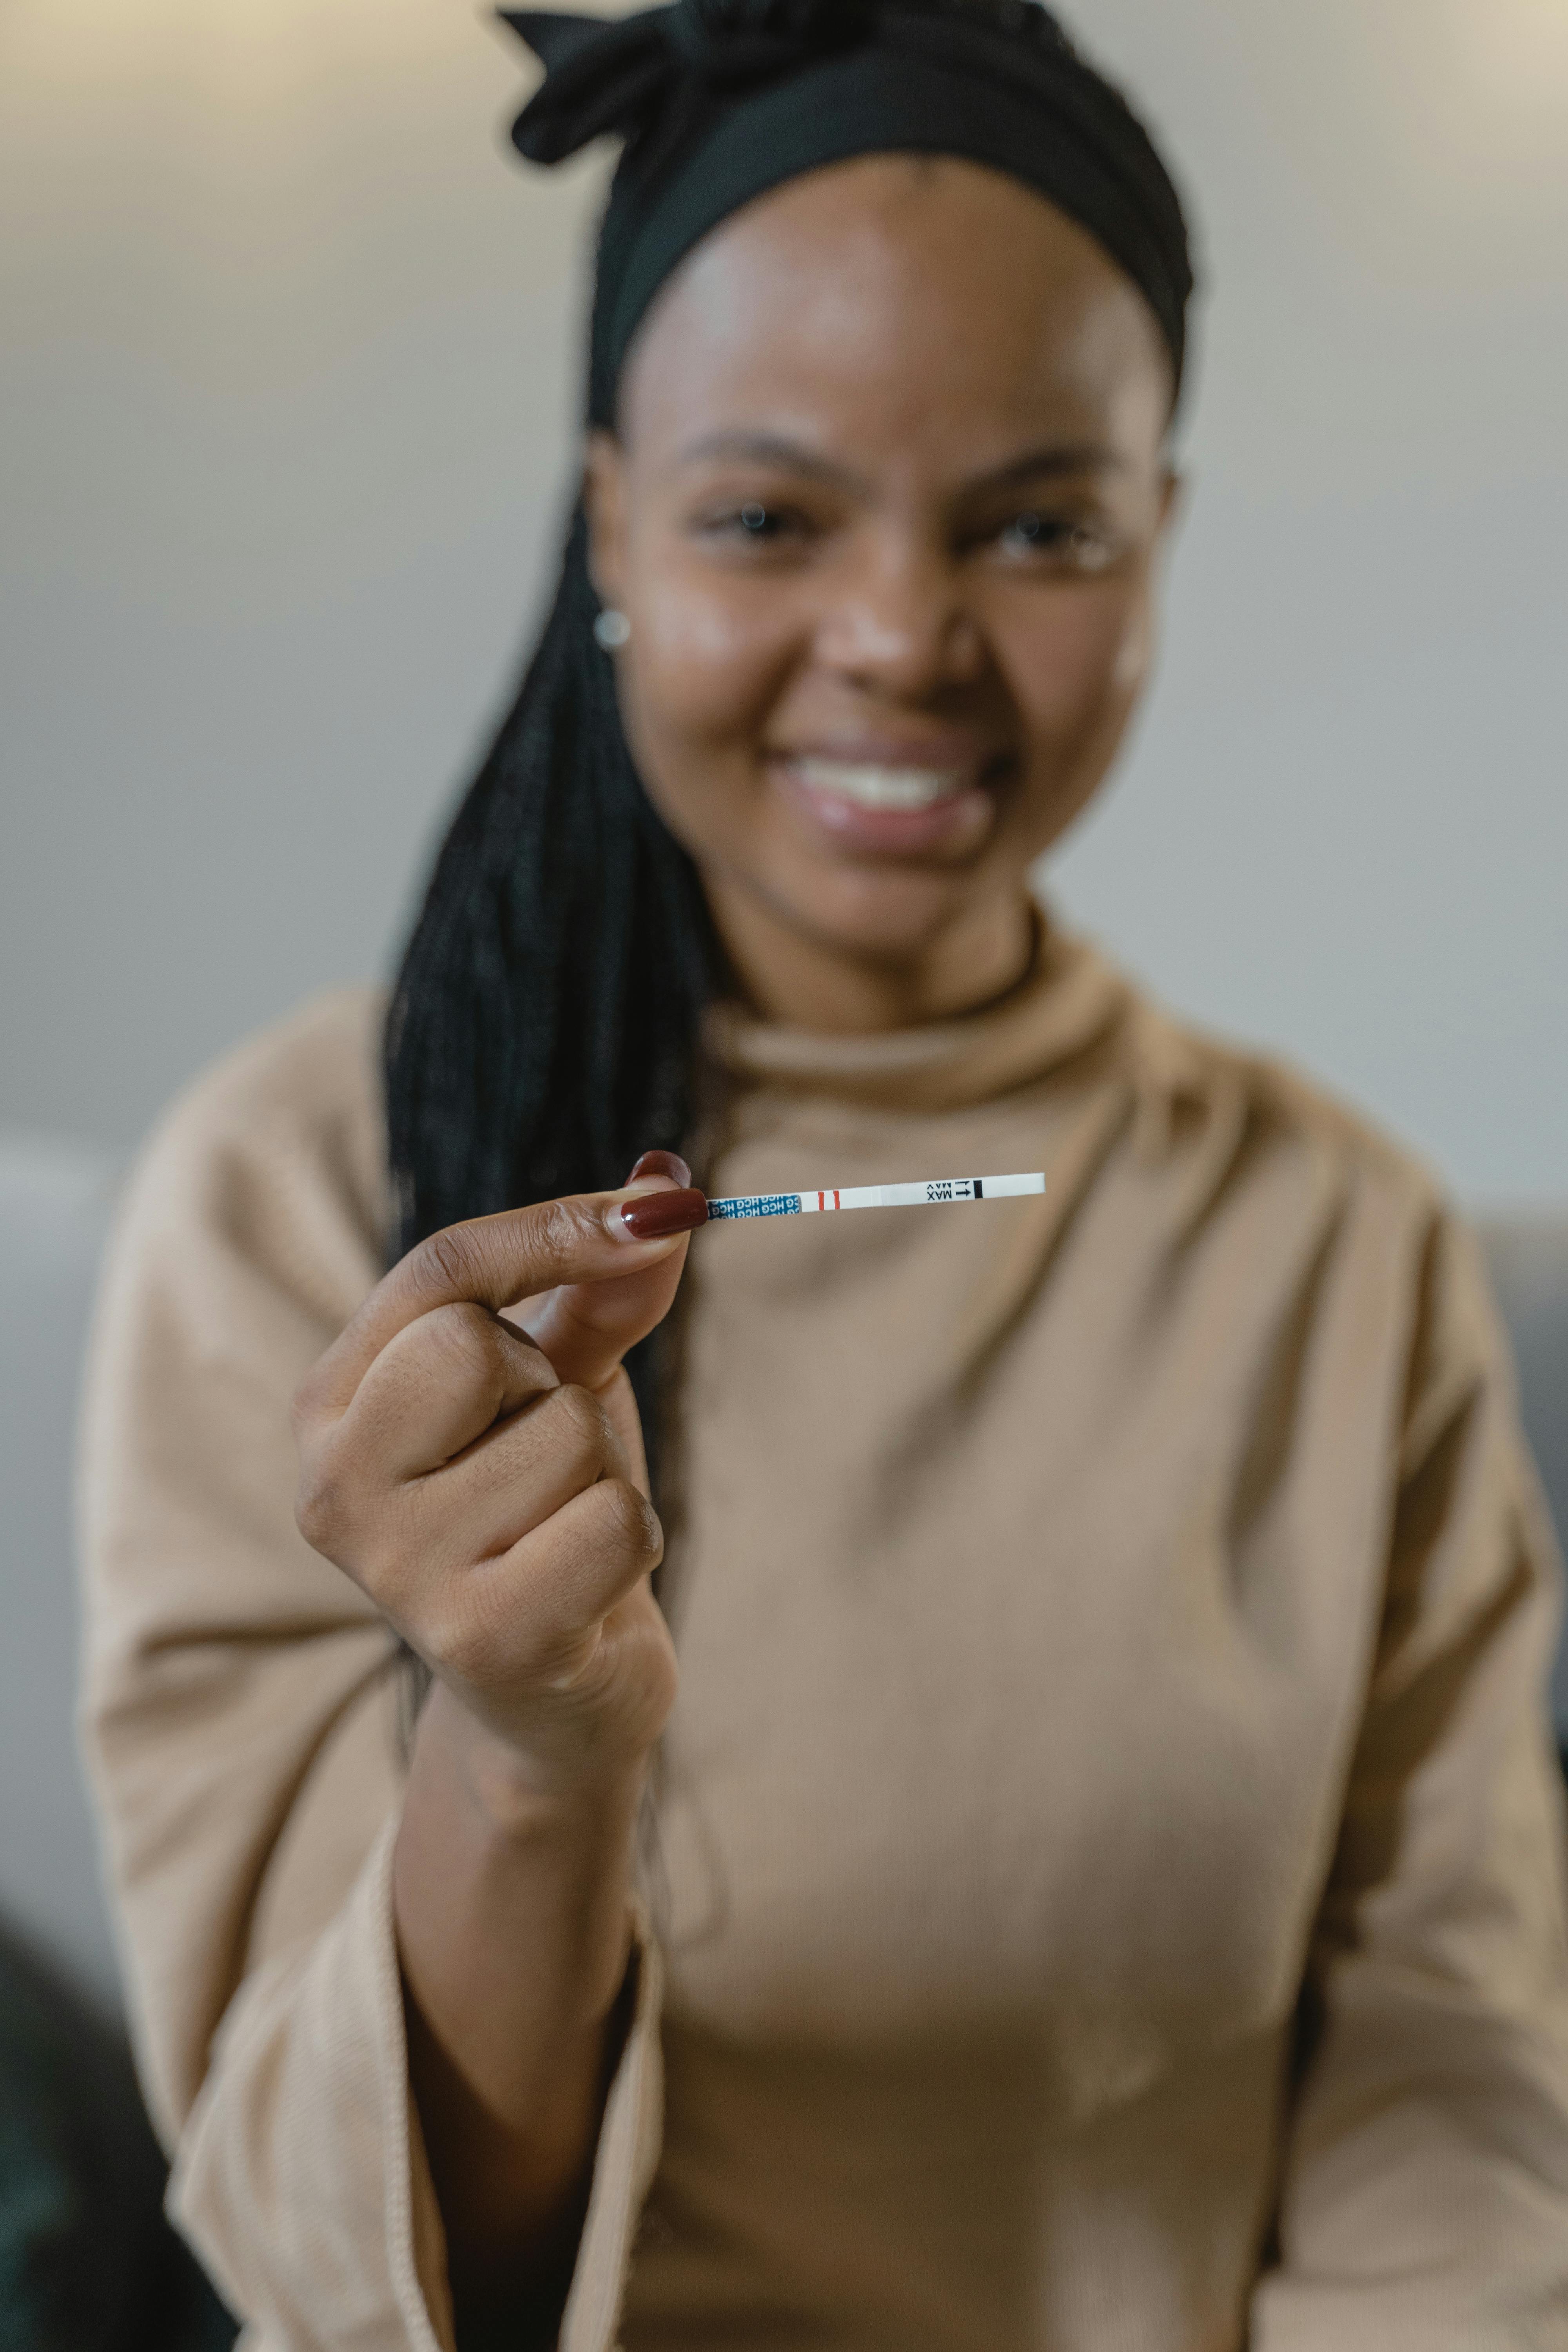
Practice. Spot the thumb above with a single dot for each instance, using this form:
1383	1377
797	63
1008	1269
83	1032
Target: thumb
584	1329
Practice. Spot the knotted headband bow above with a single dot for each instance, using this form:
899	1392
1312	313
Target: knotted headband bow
719	100
613	74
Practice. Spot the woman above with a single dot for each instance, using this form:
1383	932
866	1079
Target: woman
1099	1882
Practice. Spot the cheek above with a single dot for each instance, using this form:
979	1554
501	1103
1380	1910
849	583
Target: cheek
1078	663
707	662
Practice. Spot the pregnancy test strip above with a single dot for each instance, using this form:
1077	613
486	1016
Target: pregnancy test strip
877	1196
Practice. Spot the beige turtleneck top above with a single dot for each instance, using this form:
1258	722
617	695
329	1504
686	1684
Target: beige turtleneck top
1105	1887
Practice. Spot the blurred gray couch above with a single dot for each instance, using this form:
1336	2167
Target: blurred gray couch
55	1206
87	2261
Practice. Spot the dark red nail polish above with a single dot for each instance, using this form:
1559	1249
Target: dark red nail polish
660	1164
656	1216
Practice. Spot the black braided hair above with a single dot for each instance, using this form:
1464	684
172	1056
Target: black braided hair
544	1027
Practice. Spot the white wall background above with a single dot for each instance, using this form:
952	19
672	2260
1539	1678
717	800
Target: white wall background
287	358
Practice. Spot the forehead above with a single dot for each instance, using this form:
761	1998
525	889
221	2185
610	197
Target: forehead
902	297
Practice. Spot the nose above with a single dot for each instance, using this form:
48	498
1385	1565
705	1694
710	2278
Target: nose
896	623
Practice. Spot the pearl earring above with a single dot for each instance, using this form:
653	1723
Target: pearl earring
612	629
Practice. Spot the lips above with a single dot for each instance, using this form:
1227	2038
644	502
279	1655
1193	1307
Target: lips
880	784
887	800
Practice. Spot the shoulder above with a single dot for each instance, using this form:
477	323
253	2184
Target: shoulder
1263	1184
1208	1097
1255	1165
308	1084
275	1158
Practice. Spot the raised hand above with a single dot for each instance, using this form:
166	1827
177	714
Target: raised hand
481	1473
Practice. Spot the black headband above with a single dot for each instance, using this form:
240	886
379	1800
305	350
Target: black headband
719	100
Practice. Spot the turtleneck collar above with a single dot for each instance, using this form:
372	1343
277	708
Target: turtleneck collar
1070	998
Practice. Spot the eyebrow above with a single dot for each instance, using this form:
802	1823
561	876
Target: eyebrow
768	449
1050	462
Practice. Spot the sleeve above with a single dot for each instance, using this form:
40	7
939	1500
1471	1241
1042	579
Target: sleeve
1424	2204
243	1721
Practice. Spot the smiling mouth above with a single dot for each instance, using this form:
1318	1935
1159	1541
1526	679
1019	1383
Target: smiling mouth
876	786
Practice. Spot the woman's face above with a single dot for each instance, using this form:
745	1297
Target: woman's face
883	511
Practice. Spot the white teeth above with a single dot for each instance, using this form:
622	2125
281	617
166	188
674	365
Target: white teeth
880	787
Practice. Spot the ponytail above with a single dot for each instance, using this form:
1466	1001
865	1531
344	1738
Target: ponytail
545	1028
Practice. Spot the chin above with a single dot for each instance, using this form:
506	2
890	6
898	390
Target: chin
883	917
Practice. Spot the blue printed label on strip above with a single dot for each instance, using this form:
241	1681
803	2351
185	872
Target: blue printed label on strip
760	1204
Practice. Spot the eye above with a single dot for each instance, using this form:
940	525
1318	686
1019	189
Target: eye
763	525
754	523
1034	536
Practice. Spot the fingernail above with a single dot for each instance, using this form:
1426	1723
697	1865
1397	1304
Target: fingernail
656	1216
660	1164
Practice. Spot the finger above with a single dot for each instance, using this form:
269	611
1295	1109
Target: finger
662	1163
492	1260
531	1610
620	1407
515	1479
586	1328
435	1390
655	1171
